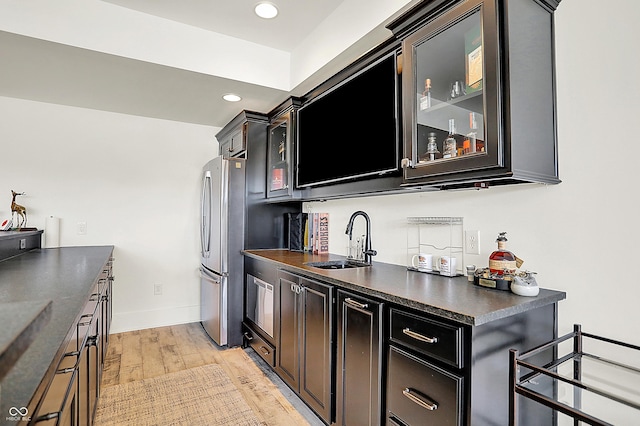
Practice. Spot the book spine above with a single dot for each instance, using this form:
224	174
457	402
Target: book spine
323	233
315	233
311	231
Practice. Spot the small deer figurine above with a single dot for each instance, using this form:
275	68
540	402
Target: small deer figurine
18	209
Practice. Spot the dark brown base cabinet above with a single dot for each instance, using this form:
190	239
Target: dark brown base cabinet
304	321
60	405
443	373
72	396
359	360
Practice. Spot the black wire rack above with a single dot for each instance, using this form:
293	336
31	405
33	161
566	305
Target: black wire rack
523	373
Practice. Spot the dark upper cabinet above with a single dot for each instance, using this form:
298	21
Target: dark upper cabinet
266	225
234	138
280	149
478	92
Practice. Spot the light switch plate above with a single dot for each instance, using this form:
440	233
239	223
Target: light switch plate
82	228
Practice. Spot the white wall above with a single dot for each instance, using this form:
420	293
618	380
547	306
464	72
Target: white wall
133	180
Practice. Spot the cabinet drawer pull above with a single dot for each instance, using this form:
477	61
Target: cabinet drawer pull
265	351
85	320
394	421
419	336
414	397
248	337
356	304
48	416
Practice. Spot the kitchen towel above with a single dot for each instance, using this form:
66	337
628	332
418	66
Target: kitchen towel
52	232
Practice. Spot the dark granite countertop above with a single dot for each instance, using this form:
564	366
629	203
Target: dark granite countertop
452	298
64	276
21	323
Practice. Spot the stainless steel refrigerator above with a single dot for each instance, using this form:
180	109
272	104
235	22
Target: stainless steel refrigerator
222	238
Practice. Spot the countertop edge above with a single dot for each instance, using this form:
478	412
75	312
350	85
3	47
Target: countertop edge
24	337
546	296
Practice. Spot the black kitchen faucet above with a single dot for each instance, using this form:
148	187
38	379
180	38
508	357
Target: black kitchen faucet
368	252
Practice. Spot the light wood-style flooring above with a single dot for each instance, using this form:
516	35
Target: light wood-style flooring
153	352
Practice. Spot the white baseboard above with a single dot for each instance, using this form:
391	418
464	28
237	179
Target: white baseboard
140	320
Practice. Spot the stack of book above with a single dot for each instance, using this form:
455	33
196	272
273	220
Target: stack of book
316	233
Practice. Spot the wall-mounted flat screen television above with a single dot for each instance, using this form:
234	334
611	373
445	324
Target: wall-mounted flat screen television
352	130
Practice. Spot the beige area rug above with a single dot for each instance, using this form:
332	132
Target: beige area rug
196	396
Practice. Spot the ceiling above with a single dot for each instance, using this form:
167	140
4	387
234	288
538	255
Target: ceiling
235	17
45	71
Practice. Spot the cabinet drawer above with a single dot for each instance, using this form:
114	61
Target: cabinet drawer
261	346
260	269
420	393
433	338
58	405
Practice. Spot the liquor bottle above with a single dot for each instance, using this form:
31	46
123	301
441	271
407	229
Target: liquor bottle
425	100
450	143
502	259
469	144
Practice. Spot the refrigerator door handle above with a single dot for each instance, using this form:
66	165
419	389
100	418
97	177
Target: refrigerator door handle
210	276
205	215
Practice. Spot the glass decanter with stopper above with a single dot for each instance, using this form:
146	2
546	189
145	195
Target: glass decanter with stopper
502	260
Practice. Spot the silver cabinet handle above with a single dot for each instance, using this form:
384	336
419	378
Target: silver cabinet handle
265	351
355	303
85	320
248	337
413	397
48	416
393	421
419	336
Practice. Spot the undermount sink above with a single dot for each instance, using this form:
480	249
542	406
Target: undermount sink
338	264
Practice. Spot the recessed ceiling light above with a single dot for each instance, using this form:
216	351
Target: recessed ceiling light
231	97
266	10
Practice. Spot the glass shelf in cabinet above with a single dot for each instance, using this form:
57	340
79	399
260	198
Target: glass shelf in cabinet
474	101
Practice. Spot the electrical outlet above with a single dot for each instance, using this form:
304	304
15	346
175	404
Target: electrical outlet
157	289
82	228
472	242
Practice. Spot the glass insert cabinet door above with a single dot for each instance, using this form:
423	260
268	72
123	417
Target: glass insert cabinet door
278	160
450	96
